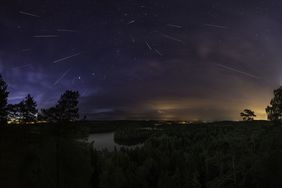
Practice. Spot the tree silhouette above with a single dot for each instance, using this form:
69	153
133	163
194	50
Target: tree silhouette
15	112
3	101
30	111
248	115
66	109
50	115
68	106
23	112
274	111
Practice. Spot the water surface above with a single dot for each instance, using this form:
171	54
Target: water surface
106	141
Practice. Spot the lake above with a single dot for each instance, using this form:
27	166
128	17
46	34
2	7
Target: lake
106	141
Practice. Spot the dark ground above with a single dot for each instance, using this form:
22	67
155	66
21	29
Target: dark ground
221	154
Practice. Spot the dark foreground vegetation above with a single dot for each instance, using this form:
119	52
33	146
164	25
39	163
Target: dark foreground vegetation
46	149
223	154
133	136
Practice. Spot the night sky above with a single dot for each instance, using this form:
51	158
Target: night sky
144	59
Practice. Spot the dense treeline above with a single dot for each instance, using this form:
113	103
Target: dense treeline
43	156
198	156
26	112
202	156
133	136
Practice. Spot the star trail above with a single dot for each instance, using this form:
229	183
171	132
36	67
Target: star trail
144	59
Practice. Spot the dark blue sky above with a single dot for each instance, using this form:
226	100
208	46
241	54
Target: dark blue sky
144	59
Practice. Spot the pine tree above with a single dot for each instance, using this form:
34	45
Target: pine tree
15	112
274	111
248	115
66	109
67	106
29	110
3	101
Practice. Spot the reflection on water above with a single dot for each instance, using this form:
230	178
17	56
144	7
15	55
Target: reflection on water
103	141
106	141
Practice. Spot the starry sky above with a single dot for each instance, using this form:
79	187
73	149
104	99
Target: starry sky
144	59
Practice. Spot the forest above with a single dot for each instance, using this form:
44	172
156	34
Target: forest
51	149
223	154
